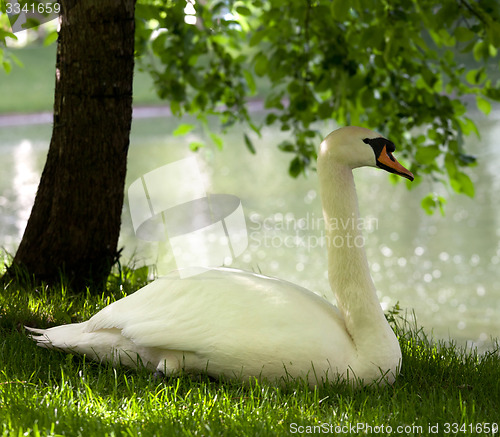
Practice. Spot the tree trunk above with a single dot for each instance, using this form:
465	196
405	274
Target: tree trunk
75	221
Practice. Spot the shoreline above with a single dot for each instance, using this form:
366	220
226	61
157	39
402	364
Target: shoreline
138	112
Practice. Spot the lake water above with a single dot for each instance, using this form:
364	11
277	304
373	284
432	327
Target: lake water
444	269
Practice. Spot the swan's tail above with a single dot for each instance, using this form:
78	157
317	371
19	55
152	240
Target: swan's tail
101	345
64	337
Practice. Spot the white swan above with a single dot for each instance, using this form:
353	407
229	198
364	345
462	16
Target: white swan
240	324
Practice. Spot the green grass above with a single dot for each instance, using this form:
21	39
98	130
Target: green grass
30	88
52	393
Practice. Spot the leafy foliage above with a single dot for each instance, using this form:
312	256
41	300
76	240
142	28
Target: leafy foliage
6	58
403	67
399	66
200	68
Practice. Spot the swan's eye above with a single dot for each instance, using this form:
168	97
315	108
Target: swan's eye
391	148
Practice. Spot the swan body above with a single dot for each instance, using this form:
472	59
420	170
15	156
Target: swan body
240	324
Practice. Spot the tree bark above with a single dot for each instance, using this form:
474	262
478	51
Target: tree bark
75	221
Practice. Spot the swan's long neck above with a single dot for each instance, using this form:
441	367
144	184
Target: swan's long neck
348	270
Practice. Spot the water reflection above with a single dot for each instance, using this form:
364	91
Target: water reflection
24	182
18	185
445	268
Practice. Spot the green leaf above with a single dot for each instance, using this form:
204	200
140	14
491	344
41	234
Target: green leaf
340	9
249	144
431	202
467	184
458	107
7	66
271	118
50	38
493	93
450	165
427	155
286	146
252	87
428	204
481	51
158	44
260	64
463	34
296	167
4	34
243	10
494	33
175	107
221	39
146	12
183	129
217	140
445	38
475	77
468	126
483	105
462	183
375	36
257	37
441	203
196	145
438	85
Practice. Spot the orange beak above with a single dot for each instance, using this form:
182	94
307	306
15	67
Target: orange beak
389	163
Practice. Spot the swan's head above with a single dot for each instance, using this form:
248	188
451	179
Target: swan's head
357	147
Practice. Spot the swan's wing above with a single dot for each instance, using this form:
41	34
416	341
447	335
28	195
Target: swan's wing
216	309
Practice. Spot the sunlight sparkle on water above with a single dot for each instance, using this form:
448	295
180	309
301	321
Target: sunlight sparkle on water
474	260
386	251
310	196
443	256
480	290
419	250
402	261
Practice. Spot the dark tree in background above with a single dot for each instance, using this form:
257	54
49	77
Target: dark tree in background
74	223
